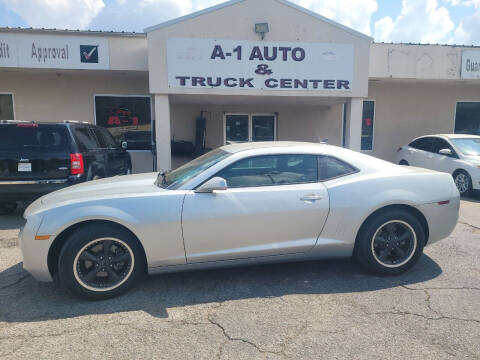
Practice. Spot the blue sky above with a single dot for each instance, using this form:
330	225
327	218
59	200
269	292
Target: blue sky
426	21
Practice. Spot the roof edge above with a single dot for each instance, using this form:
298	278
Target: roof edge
325	19
71	32
233	2
192	15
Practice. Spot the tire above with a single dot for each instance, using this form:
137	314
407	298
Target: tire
404	162
386	252
463	181
85	268
7	207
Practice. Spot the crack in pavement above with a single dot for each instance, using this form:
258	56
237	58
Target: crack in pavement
245	341
473	226
441	288
440	317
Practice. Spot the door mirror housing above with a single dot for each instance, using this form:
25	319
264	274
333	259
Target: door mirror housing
446	152
214	184
124	145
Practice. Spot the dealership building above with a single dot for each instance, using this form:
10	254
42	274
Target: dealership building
244	70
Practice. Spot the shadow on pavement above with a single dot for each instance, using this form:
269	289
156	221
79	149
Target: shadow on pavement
22	299
13	221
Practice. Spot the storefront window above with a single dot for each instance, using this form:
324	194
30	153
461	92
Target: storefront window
368	118
467	118
128	118
6	107
236	127
250	127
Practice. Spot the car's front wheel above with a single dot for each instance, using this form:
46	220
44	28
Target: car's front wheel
463	182
390	242
101	261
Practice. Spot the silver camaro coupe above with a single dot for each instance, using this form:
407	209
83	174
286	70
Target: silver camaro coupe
240	204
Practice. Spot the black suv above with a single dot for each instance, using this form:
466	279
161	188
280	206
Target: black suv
37	158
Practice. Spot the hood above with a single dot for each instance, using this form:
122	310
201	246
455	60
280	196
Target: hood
109	187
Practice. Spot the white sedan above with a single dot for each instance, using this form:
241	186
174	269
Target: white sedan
236	205
458	155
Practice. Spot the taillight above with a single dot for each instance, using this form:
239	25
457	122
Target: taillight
399	149
76	164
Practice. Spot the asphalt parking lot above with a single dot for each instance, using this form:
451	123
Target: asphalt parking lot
323	309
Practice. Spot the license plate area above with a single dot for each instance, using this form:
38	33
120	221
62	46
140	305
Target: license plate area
24	167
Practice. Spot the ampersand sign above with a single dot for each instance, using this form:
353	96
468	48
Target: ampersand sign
263	69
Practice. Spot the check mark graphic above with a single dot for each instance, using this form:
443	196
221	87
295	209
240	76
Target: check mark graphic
87	56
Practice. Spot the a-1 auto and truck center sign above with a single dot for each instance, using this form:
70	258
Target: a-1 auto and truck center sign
53	51
231	64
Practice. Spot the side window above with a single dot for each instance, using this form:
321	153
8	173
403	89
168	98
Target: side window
271	170
425	144
100	138
442	144
85	139
108	138
330	168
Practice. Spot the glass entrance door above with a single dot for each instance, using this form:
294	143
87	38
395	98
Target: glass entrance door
250	127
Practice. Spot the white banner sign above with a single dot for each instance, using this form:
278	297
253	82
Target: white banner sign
53	51
470	65
231	64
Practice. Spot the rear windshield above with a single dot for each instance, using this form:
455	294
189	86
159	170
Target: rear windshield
38	138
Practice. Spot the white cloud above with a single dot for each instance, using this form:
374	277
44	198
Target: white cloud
352	13
71	14
468	31
135	15
419	21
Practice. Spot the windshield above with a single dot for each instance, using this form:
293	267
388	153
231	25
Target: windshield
176	178
470	147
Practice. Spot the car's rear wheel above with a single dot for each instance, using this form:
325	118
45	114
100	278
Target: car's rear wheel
390	242
463	182
101	261
7	207
404	162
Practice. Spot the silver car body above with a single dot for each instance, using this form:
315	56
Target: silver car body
182	229
443	163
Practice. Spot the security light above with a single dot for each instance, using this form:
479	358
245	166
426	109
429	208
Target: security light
262	29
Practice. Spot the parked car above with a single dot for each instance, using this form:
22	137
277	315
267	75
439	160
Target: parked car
458	155
37	158
240	204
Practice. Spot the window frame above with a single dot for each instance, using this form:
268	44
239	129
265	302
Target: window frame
318	181
355	169
13	102
374	119
455	113
250	124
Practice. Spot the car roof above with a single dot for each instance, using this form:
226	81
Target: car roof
237	147
450	136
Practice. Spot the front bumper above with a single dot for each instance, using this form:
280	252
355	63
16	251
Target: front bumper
35	252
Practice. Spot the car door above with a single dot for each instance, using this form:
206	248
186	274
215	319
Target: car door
274	205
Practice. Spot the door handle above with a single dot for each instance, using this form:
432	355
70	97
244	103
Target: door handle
311	197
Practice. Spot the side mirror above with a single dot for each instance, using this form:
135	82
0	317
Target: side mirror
446	152
214	184
124	145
